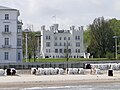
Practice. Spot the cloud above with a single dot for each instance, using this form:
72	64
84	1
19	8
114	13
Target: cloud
68	12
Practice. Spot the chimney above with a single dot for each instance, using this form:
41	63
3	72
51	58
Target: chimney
72	28
43	27
82	27
55	27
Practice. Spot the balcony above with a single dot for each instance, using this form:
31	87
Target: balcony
6	32
6	46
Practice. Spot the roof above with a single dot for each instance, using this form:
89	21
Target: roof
6	8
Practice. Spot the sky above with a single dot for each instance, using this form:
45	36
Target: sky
64	12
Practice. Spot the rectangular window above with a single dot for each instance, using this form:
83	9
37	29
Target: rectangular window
47	44
68	38
60	44
6	41
55	44
77	44
65	51
69	50
6	55
64	38
47	37
56	50
19	42
6	16
60	38
78	50
19	28
46	50
78	37
6	28
19	56
64	44
55	38
60	51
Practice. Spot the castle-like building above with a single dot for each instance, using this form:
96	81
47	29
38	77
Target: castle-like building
57	43
10	36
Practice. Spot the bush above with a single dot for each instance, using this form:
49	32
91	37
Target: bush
110	55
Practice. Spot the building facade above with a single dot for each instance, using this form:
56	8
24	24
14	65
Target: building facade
10	36
57	43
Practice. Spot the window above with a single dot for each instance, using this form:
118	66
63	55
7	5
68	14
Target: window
49	50
19	42
64	38
60	38
19	56
69	50
47	44
56	50
60	44
78	50
60	50
77	44
64	44
6	28
6	41
69	44
6	55
19	28
46	50
68	38
55	44
75	37
47	37
6	16
78	37
65	51
55	38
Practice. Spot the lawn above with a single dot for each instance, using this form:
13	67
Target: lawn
65	60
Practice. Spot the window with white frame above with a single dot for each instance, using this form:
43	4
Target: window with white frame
55	44
68	38
55	38
56	50
6	41
6	16
6	55
6	28
19	56
19	42
19	28
78	50
47	44
60	50
77	44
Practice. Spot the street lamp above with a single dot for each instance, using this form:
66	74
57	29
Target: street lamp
26	31
115	37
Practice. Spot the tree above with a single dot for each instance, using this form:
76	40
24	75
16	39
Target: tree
101	38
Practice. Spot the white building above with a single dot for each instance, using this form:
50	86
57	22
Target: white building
10	36
55	43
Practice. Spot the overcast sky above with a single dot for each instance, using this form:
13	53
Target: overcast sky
67	12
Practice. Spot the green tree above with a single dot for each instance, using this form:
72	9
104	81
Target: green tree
101	38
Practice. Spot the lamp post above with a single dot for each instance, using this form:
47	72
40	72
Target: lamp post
116	37
26	36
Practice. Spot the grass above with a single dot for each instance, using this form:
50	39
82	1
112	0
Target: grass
65	60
